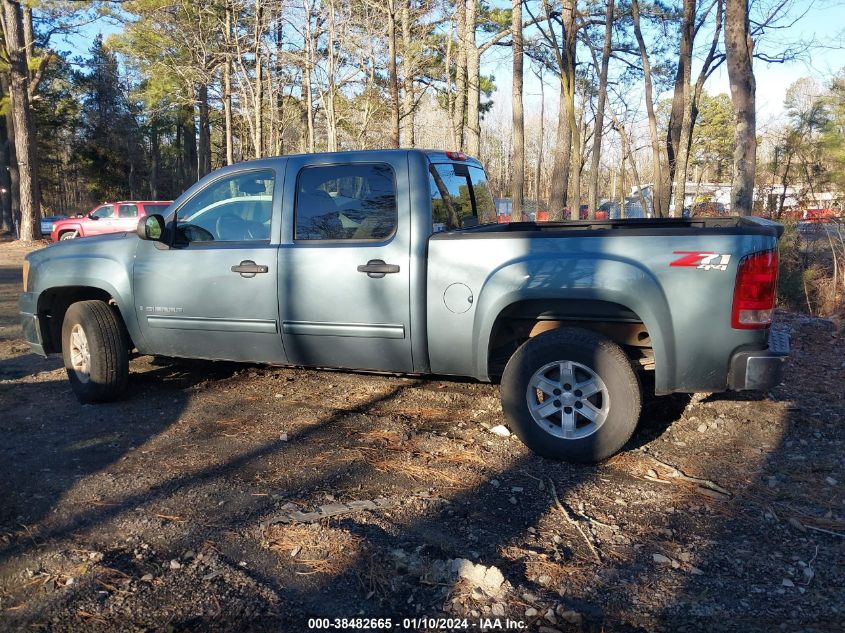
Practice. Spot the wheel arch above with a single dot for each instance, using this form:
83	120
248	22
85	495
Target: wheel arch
617	292
54	302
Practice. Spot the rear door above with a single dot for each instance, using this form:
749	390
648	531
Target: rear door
126	218
344	278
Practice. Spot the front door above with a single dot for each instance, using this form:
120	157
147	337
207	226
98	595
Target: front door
99	221
344	263
213	293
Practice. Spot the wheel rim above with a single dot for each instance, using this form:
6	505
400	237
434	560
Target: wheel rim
568	400
80	357
68	236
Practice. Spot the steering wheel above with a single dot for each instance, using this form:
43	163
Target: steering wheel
195	233
231	227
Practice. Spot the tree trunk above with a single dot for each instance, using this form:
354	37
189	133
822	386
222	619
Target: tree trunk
660	197
189	137
392	79
460	78
598	126
518	137
568	96
560	170
680	100
21	116
450	92
306	76
407	76
328	97
226	90
258	91
739	49
473	97
228	139
6	217
154	160
538	176
204	151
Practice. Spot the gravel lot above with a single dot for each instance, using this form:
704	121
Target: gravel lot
221	497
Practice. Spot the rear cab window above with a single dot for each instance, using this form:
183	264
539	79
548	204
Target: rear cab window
460	196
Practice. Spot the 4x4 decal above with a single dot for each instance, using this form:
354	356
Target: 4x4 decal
703	260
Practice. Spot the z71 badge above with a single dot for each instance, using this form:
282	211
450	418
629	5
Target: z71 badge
703	260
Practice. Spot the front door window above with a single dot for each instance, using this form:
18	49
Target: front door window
236	208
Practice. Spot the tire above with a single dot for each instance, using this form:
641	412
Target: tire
67	235
559	426
95	352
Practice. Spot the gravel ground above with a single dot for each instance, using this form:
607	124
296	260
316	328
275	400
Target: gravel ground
222	496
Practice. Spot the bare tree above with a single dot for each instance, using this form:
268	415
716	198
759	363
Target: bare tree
518	135
21	117
598	126
739	48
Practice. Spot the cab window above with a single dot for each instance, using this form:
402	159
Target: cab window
460	196
127	211
236	208
346	202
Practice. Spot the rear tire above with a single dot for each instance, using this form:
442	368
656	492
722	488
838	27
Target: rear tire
571	394
95	352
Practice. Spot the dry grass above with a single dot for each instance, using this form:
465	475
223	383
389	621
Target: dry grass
421	472
385	437
317	549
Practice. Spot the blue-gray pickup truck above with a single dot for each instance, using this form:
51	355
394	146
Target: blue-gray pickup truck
392	261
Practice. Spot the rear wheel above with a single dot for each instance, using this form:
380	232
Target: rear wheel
95	351
67	235
571	394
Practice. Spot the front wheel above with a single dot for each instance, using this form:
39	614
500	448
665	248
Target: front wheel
571	394
95	352
67	235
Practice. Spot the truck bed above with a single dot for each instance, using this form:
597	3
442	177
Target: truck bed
642	269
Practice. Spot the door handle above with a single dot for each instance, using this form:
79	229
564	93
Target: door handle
376	268
249	268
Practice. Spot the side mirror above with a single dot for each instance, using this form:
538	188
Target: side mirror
93	217
151	227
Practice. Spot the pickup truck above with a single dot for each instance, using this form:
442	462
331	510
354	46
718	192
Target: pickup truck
392	261
112	217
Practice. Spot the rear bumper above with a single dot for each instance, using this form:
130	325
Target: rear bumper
760	369
28	306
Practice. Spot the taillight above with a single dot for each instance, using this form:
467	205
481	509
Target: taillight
755	291
456	156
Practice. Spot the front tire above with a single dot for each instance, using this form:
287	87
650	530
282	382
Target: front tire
67	235
571	394
95	352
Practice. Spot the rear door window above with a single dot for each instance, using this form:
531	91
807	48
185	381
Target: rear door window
354	202
127	211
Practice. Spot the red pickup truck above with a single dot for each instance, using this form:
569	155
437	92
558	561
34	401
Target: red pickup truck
112	217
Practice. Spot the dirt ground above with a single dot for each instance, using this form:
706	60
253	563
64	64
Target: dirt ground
223	497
